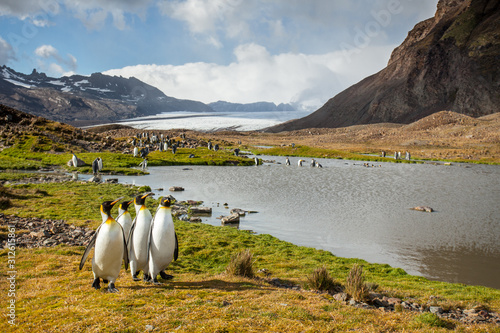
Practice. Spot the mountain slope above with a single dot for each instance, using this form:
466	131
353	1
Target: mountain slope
448	62
83	100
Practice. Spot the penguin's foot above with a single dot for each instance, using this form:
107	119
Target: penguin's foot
147	278
155	281
96	284
135	276
166	276
105	281
111	288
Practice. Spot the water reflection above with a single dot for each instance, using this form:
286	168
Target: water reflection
362	212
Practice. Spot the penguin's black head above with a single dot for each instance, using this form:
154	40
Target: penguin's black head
165	201
106	206
124	205
141	199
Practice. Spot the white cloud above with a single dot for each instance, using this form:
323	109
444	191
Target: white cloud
6	52
256	75
93	13
57	68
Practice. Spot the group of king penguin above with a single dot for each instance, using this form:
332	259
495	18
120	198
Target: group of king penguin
148	244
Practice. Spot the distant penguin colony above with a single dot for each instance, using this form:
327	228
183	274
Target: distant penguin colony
110	249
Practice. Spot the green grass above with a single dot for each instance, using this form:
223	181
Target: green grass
29	152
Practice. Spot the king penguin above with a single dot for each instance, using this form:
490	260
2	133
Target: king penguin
138	238
110	248
124	217
163	245
99	163
74	160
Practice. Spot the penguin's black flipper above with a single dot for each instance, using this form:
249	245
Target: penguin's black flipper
125	249
129	240
176	251
89	247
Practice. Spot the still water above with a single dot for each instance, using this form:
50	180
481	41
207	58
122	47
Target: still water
361	212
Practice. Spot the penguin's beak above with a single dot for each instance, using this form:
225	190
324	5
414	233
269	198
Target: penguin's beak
114	202
147	195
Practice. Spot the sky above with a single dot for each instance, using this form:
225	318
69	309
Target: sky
302	52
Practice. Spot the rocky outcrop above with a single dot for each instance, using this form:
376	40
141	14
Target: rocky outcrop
448	62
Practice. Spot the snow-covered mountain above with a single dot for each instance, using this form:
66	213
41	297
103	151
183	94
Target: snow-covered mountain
83	100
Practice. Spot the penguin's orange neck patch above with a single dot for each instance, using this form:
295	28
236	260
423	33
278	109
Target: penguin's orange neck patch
110	220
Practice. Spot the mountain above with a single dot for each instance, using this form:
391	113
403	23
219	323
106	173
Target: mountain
448	62
84	100
222	106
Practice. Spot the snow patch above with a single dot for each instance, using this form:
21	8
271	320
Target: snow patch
17	83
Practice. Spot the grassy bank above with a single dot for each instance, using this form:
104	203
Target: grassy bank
53	295
30	152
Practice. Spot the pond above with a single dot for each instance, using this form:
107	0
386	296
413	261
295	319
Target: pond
359	210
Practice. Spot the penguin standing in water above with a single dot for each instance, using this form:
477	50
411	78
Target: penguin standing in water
110	248
138	238
287	161
124	217
163	245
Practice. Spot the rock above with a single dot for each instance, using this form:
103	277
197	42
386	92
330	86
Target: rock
233	218
195	219
95	179
176	189
341	297
423	209
111	181
201	210
238	211
392	300
436	309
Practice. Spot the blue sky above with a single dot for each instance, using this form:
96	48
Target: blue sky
243	51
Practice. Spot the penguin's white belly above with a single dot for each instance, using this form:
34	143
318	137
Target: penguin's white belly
126	222
140	240
108	255
162	245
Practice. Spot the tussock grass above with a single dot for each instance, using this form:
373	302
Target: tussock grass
355	285
241	264
321	280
